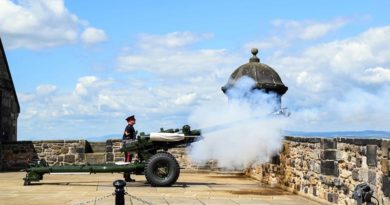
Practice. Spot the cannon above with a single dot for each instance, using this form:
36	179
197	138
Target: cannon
159	166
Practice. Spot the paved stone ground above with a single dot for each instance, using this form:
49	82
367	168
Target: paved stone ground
191	188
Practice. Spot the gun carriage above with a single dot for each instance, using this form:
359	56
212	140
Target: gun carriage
159	166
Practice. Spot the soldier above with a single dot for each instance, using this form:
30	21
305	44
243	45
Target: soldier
129	134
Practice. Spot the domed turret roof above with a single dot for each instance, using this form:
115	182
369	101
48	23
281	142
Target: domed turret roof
265	77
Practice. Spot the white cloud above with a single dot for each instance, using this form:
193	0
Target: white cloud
45	89
341	84
164	55
186	99
289	32
93	35
171	40
37	24
309	30
377	75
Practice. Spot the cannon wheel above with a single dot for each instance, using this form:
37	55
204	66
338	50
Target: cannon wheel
162	170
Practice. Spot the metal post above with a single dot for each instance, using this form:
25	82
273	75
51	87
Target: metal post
119	192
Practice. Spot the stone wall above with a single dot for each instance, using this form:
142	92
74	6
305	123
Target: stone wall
17	155
328	170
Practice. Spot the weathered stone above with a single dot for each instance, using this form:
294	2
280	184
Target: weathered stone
108	149
314	191
335	198
328	144
81	156
386	186
119	159
72	150
385	149
372	177
69	158
64	150
337	182
385	166
56	152
364	162
355	174
363	174
371	155
350	166
329	168
109	157
359	162
80	150
330	197
345	173
328	155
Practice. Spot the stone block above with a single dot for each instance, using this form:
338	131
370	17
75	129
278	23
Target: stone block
64	150
80	150
359	162
328	144
345	173
119	159
386	186
364	162
109	157
314	191
363	174
385	166
330	197
108	149
329	167
371	177
315	167
355	174
385	149
337	182
69	158
81	157
328	154
335	198
60	159
95	158
372	155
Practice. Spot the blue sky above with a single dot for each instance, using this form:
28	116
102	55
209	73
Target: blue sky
81	67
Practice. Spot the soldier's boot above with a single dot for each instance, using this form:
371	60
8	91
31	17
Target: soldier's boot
127	177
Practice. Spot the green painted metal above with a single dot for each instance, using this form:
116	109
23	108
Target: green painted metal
144	146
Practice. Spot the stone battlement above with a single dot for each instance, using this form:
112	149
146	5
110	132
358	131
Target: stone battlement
328	169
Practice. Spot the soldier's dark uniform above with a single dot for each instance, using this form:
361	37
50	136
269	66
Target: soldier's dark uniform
128	134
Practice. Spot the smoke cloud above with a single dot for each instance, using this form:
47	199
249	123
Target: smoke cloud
240	132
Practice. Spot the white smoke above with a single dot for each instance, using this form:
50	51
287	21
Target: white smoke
240	132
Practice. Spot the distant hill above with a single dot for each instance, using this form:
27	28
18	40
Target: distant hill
104	137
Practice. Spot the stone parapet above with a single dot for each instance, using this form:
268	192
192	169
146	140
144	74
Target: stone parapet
17	155
328	169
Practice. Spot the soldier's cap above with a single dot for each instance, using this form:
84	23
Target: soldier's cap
130	118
